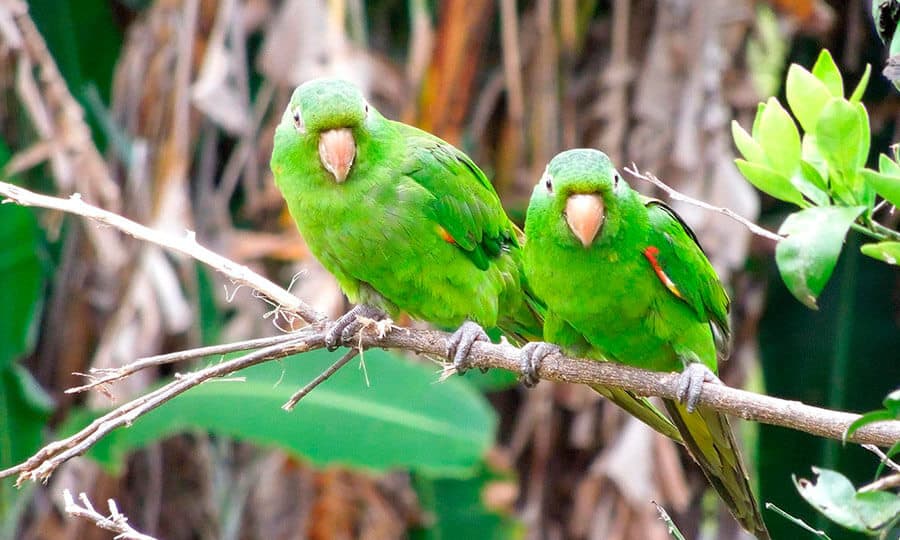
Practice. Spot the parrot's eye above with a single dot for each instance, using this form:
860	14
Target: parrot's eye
548	182
367	109
298	122
616	179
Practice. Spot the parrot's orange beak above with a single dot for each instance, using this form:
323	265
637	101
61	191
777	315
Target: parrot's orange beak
584	214
336	151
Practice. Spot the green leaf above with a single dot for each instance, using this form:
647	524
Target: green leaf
888	186
842	136
860	89
888	166
832	494
779	138
404	419
23	281
827	71
806	96
892	403
754	131
811	184
866	419
24	411
876	508
888	252
769	181
460	507
806	258
892	451
749	148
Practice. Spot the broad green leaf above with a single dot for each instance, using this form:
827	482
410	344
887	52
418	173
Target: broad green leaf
876	508
461	507
811	154
779	138
806	96
860	89
806	258
827	71
404	419
888	186
769	181
888	252
832	494
24	411
842	136
749	148
23	280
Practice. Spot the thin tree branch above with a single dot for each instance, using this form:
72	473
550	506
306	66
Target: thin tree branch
287	303
320	378
116	522
678	196
104	376
747	405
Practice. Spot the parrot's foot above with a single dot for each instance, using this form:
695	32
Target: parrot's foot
342	330
690	384
533	355
460	344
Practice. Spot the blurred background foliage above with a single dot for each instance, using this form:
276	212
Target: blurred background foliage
164	111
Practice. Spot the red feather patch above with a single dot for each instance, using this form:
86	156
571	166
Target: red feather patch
445	235
651	252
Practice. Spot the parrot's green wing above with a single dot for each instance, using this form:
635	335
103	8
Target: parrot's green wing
685	270
465	205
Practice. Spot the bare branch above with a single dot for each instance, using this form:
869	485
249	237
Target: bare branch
322	377
678	196
115	522
103	377
187	245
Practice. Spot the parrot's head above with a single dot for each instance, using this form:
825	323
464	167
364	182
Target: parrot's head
330	114
577	196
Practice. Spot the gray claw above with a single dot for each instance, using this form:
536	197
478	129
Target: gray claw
345	327
690	384
459	345
533	354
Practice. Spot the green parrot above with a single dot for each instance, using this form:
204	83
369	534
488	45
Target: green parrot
406	222
403	220
623	279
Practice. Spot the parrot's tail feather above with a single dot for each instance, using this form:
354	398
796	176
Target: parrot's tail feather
708	436
642	409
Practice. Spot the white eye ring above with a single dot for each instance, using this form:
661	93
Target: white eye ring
547	180
298	122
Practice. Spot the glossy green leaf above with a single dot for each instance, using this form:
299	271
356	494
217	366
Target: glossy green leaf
769	181
806	95
827	71
754	131
806	258
876	508
888	252
886	185
779	138
832	494
861	86
749	148
842	135
404	419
